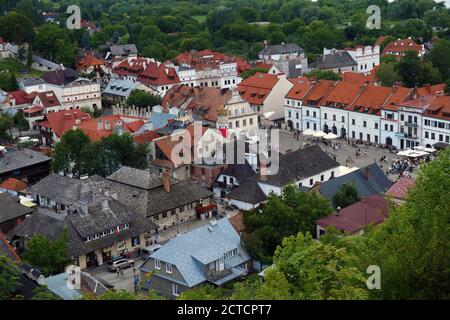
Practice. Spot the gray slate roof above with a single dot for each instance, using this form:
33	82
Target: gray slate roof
191	251
239	171
45	62
248	192
281	48
123	49
61	189
17	159
10	207
119	87
143	192
299	165
376	183
338	59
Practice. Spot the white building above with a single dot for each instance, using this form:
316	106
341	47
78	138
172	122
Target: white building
367	57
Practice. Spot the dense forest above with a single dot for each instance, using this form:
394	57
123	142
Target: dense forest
163	28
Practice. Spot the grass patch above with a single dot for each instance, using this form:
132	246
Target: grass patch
20	69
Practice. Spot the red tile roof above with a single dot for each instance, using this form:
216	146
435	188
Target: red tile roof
242	65
89	60
158	74
146	137
63	121
439	108
13	184
91	129
371	99
208	100
256	88
352	219
301	87
400	46
319	92
431	89
48	99
33	109
400	94
200	60
21	97
359	78
400	188
344	94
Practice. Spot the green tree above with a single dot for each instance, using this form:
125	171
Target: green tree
388	75
67	157
42	293
50	256
20	123
345	196
16	27
55	44
123	295
9	278
6	124
319	271
412	246
204	292
440	57
252	71
142	99
282	216
409	68
324	75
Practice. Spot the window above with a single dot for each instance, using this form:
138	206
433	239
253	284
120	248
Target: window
322	177
376	125
325	116
168	268
343	119
181	208
334	117
392	128
386	127
311	181
251	121
432	136
426	134
353	122
157	264
164	215
307	113
175	290
364	124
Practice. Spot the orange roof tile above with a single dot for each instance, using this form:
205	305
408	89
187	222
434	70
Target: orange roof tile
63	121
256	88
13	184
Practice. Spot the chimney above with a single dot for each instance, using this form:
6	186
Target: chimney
166	180
338	211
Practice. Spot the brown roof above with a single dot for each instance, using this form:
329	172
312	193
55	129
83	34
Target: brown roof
237	222
63	121
400	46
256	88
400	188
352	219
13	184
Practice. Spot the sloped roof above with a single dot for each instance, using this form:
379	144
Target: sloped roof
191	251
60	77
21	97
48	99
370	210
63	121
123	49
239	171
17	159
61	189
301	87
368	180
120	87
13	184
400	188
248	191
10	207
400	46
281	49
256	88
138	178
298	165
340	59
146	137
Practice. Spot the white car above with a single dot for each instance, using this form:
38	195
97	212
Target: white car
120	263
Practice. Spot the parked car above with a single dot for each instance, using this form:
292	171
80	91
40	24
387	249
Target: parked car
120	263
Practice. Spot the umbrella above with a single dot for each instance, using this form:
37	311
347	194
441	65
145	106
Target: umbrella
319	134
330	136
309	132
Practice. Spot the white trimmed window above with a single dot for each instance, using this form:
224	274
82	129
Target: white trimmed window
175	290
157	264
168	268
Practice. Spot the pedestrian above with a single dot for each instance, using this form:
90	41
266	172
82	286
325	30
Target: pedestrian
118	272
121	273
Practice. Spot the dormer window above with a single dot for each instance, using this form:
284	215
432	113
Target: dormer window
168	268
157	264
